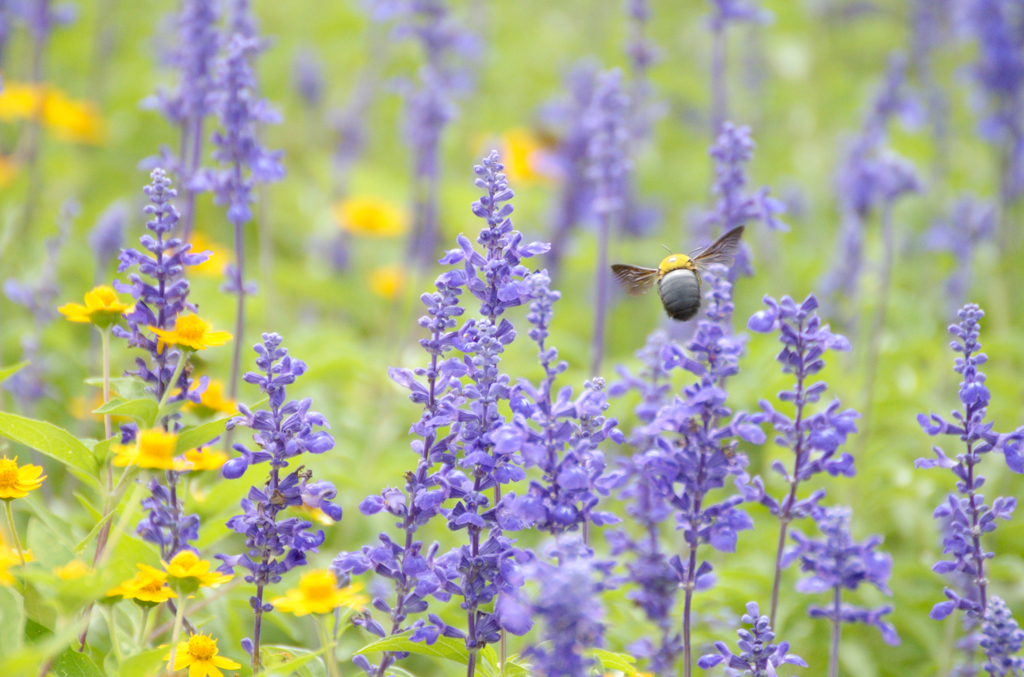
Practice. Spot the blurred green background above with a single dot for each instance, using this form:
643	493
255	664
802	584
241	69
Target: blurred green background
803	83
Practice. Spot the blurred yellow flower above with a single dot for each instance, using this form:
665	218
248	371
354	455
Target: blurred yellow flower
152	449
149	586
212	401
201	656
8	170
318	593
204	459
102	307
8	559
387	281
188	571
219	256
192	331
315	514
369	217
73	570
16	482
522	152
69	119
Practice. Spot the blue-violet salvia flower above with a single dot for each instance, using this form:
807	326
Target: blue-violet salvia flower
969	516
284	431
1001	639
732	150
559	435
837	563
569	607
815	438
759	656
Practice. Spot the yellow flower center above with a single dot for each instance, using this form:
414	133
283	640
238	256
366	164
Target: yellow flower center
106	296
8	473
202	647
317	585
190	327
157	443
153	586
186	559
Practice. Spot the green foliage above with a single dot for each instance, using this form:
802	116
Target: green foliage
48	439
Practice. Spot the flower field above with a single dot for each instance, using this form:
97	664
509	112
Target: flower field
479	337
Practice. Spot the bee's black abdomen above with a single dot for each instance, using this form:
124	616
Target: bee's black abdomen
680	294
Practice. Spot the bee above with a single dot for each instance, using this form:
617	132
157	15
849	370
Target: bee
678	276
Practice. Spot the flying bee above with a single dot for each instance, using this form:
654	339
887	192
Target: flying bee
678	276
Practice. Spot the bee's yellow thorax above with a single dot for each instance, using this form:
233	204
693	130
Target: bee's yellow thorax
674	262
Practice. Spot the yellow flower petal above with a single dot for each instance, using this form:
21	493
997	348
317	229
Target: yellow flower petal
16	482
369	217
192	331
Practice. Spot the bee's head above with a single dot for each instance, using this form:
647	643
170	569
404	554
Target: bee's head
675	262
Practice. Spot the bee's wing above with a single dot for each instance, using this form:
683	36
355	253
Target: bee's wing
721	250
634	279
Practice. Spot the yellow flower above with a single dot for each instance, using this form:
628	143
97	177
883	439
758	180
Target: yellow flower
152	449
102	307
219	256
149	586
522	151
201	656
8	170
189	572
369	217
192	331
69	119
213	401
387	281
16	482
74	569
204	459
9	558
318	594
315	514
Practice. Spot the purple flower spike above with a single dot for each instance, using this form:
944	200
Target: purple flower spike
686	450
569	606
1001	639
837	563
759	656
276	545
732	151
815	439
966	518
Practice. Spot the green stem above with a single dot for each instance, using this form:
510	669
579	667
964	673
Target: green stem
176	634
105	343
108	613
140	635
122	523
178	368
14	532
327	645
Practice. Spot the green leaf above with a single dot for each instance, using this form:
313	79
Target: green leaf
10	371
50	440
445	647
12	621
195	436
37	609
290	660
615	661
125	387
145	664
81	545
70	663
142	410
